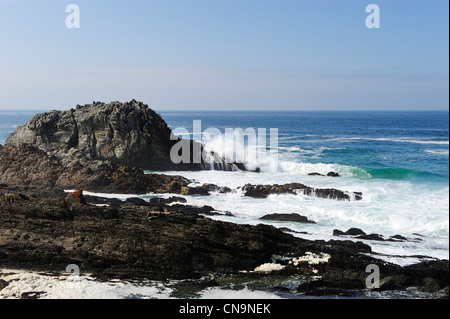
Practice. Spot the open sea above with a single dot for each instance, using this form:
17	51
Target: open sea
398	160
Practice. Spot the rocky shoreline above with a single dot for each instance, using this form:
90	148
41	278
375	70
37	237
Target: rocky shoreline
44	228
136	240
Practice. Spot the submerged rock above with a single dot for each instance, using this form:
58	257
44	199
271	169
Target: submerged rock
360	234
288	218
330	174
263	191
3	284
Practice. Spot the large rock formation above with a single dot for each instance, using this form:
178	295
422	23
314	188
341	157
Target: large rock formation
132	240
26	165
125	133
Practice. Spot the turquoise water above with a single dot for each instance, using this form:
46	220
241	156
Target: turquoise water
392	145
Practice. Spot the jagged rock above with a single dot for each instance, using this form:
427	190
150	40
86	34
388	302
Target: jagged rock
124	133
288	218
137	201
31	294
3	284
199	190
96	200
330	174
263	191
355	232
360	234
376	237
398	238
174	199
288	230
29	166
337	232
79	197
333	174
135	242
124	242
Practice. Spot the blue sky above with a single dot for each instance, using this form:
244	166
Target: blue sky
226	54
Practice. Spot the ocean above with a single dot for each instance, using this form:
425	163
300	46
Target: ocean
398	160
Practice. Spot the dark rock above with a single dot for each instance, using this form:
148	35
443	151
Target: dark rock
263	191
288	230
212	188
78	195
133	242
376	237
3	284
137	201
337	232
31	294
190	191
360	234
424	270
124	242
396	282
357	195
174	199
355	232
26	167
397	238
287	218
431	285
96	200
127	133
333	174
330	174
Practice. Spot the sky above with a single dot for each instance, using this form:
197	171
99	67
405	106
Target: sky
305	55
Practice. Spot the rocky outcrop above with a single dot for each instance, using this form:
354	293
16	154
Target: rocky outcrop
360	234
330	174
263	191
296	218
27	165
133	241
128	133
130	241
3	284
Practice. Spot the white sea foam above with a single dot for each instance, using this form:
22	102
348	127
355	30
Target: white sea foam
85	287
438	152
311	258
245	293
269	267
382	139
388	207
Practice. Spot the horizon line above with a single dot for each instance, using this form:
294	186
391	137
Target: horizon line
246	110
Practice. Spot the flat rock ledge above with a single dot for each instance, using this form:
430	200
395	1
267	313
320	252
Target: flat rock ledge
296	218
133	241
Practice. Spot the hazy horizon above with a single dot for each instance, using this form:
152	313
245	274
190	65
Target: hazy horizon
254	55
